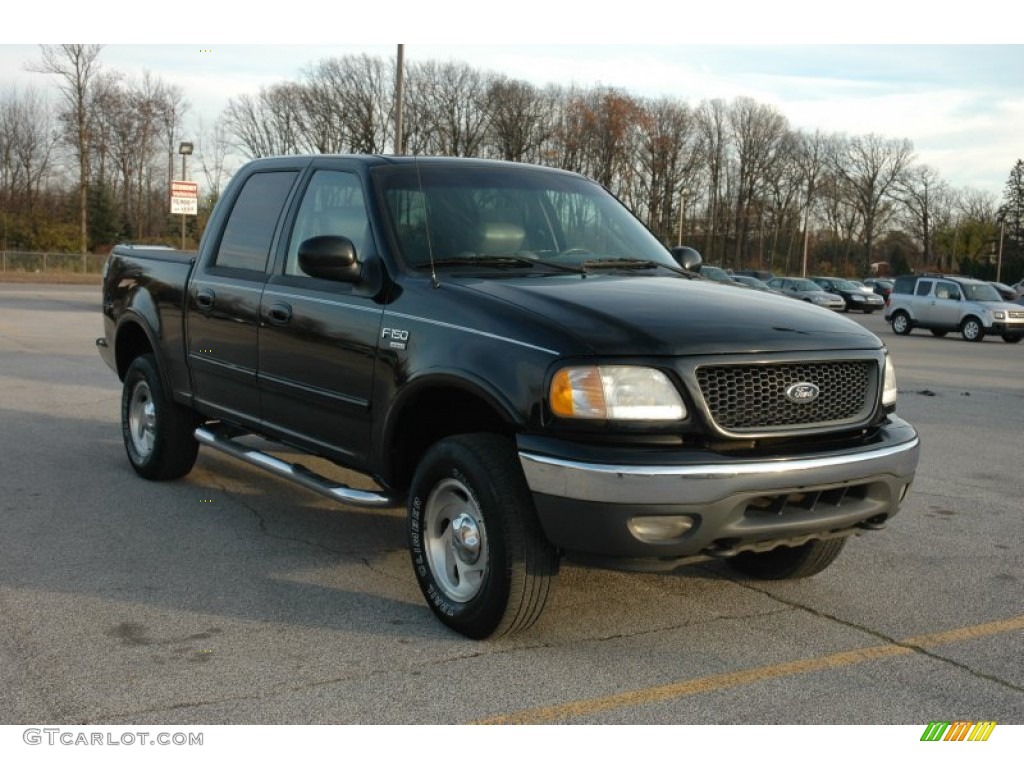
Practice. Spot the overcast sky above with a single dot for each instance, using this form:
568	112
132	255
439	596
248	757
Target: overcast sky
961	105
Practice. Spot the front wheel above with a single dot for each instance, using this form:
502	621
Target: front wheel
972	329
158	433
900	323
478	551
789	562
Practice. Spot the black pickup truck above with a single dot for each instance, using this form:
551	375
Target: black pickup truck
511	353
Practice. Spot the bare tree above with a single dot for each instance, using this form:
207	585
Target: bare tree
448	105
273	123
711	116
77	66
757	132
519	118
669	154
923	196
811	155
213	147
27	142
869	167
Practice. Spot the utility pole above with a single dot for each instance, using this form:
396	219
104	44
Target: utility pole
399	84
682	212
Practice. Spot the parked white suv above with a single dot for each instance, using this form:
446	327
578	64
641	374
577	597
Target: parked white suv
944	303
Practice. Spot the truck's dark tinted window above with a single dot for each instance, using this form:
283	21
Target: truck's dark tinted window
332	205
250	226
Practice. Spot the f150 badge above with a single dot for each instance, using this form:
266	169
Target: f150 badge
802	392
396	337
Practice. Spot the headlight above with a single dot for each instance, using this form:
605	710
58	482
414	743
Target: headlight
889	387
621	392
999	315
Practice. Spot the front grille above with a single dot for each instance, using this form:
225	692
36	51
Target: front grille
745	398
1016	315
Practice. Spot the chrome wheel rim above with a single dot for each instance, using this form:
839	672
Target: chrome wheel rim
455	540
899	324
971	330
142	419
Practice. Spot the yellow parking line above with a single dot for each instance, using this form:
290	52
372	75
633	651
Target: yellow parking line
643	696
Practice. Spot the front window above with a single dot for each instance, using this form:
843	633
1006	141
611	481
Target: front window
981	292
805	285
450	215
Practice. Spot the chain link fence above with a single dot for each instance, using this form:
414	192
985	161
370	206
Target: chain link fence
28	263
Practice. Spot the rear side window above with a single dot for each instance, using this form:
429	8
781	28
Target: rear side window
250	226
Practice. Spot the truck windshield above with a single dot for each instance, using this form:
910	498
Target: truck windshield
508	217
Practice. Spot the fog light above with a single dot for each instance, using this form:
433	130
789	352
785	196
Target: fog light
659	529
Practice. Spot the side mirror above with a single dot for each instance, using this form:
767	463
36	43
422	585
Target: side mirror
330	257
688	258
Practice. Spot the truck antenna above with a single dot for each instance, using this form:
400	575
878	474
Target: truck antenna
426	225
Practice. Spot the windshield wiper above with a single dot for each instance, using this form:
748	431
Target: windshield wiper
625	263
494	260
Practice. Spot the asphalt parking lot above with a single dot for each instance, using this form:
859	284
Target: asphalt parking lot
232	597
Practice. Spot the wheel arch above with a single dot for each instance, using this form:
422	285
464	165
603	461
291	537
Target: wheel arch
432	408
135	337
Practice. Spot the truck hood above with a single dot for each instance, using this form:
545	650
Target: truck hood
646	315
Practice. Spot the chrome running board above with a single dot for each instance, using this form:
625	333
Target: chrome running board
221	439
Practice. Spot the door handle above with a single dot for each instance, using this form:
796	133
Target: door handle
205	298
279	313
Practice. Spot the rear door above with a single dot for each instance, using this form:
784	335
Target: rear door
224	298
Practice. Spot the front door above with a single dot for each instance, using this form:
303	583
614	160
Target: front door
318	338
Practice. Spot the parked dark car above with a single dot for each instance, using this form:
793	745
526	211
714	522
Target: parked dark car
856	298
714	273
1007	292
881	286
806	290
752	282
761	274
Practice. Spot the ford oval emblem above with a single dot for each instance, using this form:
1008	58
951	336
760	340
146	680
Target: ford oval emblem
802	392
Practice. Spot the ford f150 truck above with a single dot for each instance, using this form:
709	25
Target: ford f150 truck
509	352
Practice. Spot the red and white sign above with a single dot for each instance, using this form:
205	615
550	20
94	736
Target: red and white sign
185	198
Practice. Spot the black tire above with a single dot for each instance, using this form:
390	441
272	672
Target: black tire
789	562
900	322
158	433
972	329
938	332
1010	338
478	551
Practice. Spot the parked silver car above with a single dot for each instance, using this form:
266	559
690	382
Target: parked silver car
807	290
944	303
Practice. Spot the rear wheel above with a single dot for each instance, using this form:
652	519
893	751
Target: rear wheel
158	433
480	556
900	323
972	329
789	562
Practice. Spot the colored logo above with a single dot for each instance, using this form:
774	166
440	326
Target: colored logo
959	730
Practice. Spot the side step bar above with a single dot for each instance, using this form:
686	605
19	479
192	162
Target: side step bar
220	438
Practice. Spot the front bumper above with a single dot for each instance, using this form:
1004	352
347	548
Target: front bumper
586	497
